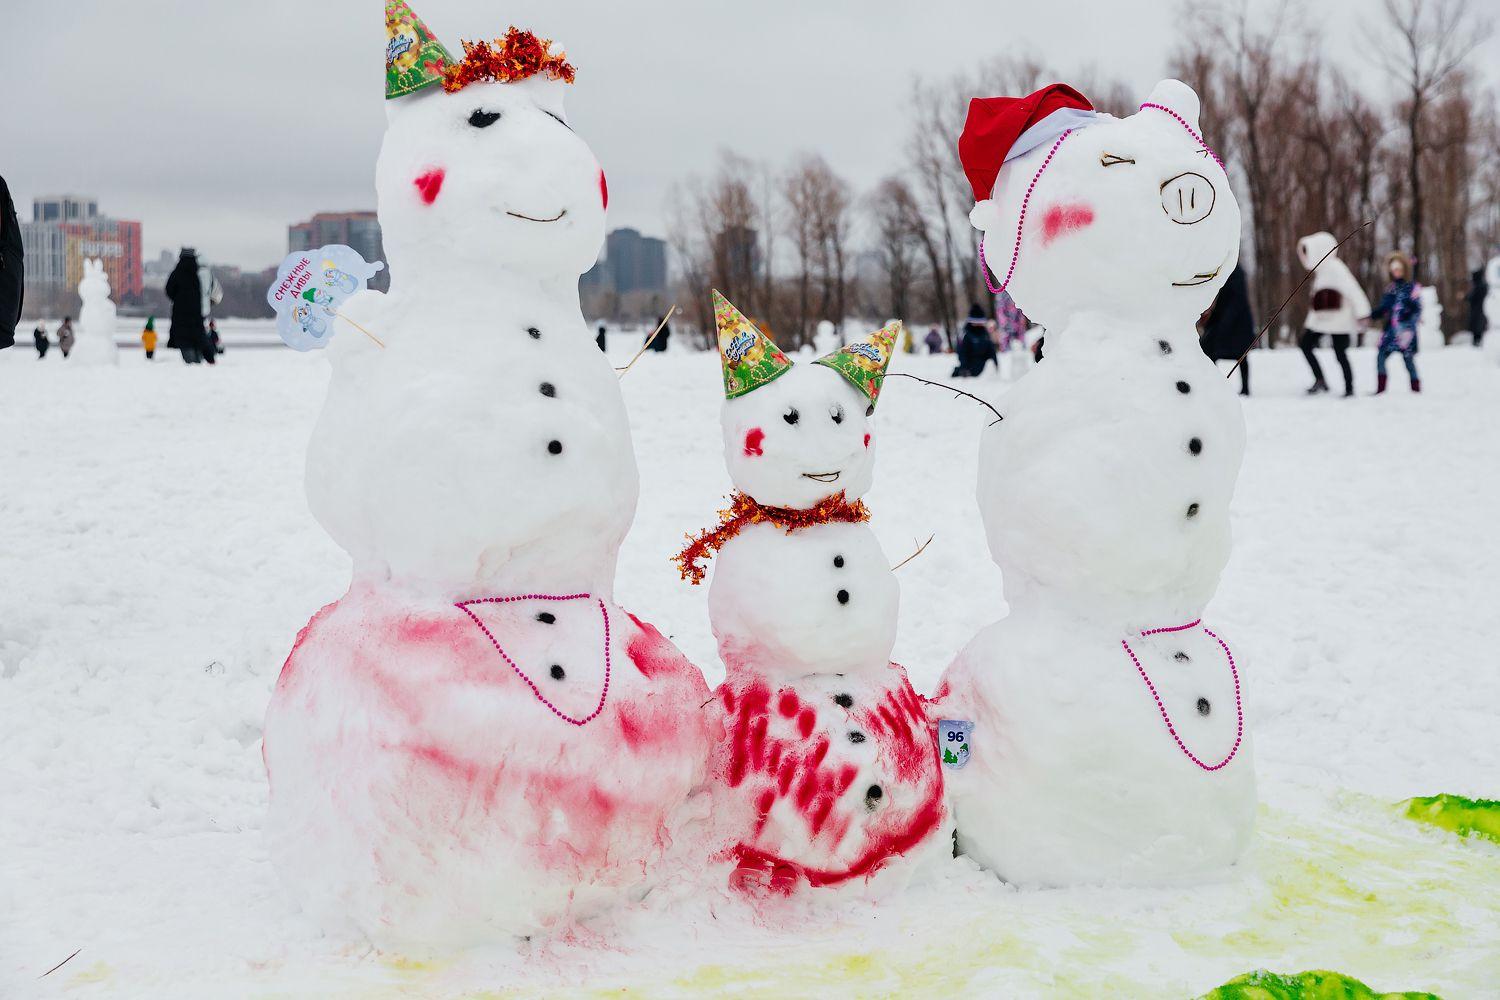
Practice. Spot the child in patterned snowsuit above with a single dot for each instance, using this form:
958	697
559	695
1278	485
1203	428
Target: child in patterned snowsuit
1400	308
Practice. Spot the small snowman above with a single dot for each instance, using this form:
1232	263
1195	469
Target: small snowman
1104	716
96	318
828	771
476	742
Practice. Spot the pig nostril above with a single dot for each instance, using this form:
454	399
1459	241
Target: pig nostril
1180	196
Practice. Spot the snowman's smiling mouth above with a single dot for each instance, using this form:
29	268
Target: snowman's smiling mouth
532	218
822	477
1202	277
1199	279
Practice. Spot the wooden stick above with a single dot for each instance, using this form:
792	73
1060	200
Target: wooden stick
659	327
952	389
59	965
361	329
920	549
1289	298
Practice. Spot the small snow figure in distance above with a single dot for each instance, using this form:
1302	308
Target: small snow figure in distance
828	771
1109	718
96	318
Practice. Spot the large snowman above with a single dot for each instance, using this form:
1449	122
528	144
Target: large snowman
827	773
475	741
1108	738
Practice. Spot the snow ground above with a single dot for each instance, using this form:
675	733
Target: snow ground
158	559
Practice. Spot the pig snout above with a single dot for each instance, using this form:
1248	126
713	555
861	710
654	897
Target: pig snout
1187	198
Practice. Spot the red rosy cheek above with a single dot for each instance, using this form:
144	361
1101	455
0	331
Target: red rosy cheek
867	440
603	189
429	184
753	441
1061	220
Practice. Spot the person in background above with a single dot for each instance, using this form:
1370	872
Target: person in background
1229	326
660	343
12	268
1339	305
213	294
934	341
975	348
185	291
600	338
1479	323
65	336
1010	321
148	337
1399	309
39	335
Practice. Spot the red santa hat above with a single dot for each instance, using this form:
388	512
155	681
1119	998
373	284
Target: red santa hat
998	129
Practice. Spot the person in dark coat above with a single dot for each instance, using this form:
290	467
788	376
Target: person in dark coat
39	335
600	338
1478	322
976	348
660	343
12	268
186	292
1229	329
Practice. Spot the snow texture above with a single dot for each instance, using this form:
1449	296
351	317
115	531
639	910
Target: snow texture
1103	748
446	775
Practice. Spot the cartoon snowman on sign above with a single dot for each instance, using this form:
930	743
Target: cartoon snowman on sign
827	774
1107	740
476	741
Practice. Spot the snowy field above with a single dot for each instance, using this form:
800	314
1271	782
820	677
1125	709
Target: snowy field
158	558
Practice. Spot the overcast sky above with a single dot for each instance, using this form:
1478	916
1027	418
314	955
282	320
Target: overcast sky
218	123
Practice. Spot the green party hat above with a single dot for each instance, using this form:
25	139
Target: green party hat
749	357
864	362
414	58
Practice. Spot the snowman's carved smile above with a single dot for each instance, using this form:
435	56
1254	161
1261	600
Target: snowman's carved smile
532	218
822	477
1199	279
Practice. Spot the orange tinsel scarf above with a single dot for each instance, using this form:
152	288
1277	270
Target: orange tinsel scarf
743	512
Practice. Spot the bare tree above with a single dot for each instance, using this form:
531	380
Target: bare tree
899	229
1432	41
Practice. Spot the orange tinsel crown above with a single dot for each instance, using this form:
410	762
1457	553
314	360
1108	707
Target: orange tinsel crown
520	54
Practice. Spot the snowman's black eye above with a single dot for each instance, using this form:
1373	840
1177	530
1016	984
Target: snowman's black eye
870	410
558	120
483	119
791	415
1111	160
837	413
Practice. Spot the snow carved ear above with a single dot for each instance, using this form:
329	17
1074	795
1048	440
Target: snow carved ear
1179	97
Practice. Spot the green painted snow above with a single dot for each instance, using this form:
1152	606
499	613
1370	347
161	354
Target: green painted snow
1465	817
1317	985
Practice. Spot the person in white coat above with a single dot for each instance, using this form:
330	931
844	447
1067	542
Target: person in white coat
1339	305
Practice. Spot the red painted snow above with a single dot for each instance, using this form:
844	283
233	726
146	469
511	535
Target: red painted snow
603	188
775	759
429	184
753	439
1060	220
867	440
392	702
652	653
